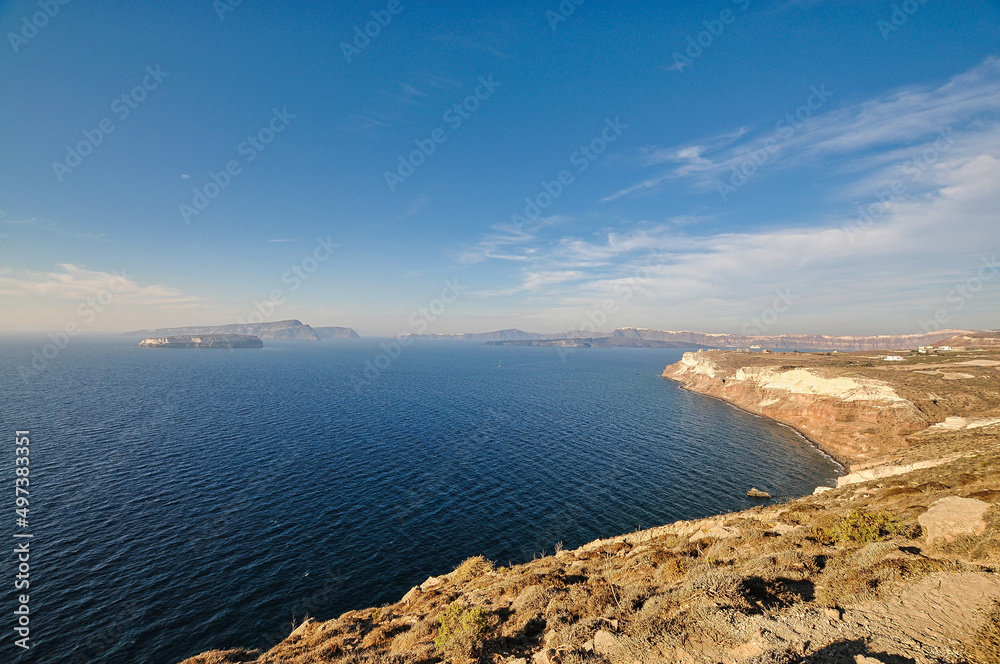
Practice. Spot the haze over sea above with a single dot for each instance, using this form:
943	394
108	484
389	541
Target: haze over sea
183	500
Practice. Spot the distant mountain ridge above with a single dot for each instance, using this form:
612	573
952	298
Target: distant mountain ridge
510	334
628	336
689	339
282	330
793	341
971	340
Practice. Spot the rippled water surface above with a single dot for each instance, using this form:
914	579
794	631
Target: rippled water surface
184	500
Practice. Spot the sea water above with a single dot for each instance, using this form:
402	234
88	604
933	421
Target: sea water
184	500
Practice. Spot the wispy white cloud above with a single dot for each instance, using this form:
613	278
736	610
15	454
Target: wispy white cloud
904	264
405	94
415	206
935	148
74	283
34	223
860	135
509	241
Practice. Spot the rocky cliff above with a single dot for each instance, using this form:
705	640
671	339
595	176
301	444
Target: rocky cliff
336	333
852	417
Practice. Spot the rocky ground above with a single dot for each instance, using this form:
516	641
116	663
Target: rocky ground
898	563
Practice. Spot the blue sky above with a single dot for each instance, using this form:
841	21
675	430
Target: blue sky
685	165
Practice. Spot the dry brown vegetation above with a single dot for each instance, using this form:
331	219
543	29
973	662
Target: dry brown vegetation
657	594
984	646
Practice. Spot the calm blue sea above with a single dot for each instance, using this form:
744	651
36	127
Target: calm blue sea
183	500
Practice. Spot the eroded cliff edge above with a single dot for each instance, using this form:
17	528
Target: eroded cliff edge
853	417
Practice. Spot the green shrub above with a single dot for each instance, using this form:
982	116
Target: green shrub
462	631
865	527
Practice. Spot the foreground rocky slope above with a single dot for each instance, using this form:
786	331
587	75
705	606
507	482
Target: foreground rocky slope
898	565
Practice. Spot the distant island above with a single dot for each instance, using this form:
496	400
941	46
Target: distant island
282	330
203	341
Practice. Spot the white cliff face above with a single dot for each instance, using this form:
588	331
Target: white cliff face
803	381
961	423
794	381
852	417
699	364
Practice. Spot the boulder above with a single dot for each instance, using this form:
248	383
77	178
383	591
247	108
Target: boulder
754	492
953	517
413	593
546	656
433	581
605	642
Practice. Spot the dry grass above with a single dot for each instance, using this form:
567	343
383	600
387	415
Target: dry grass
655	596
472	568
984	647
225	657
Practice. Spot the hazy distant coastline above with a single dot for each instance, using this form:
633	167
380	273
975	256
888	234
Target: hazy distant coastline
623	337
279	330
645	337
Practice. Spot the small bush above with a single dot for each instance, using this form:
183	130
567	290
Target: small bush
462	631
671	569
472	568
866	527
